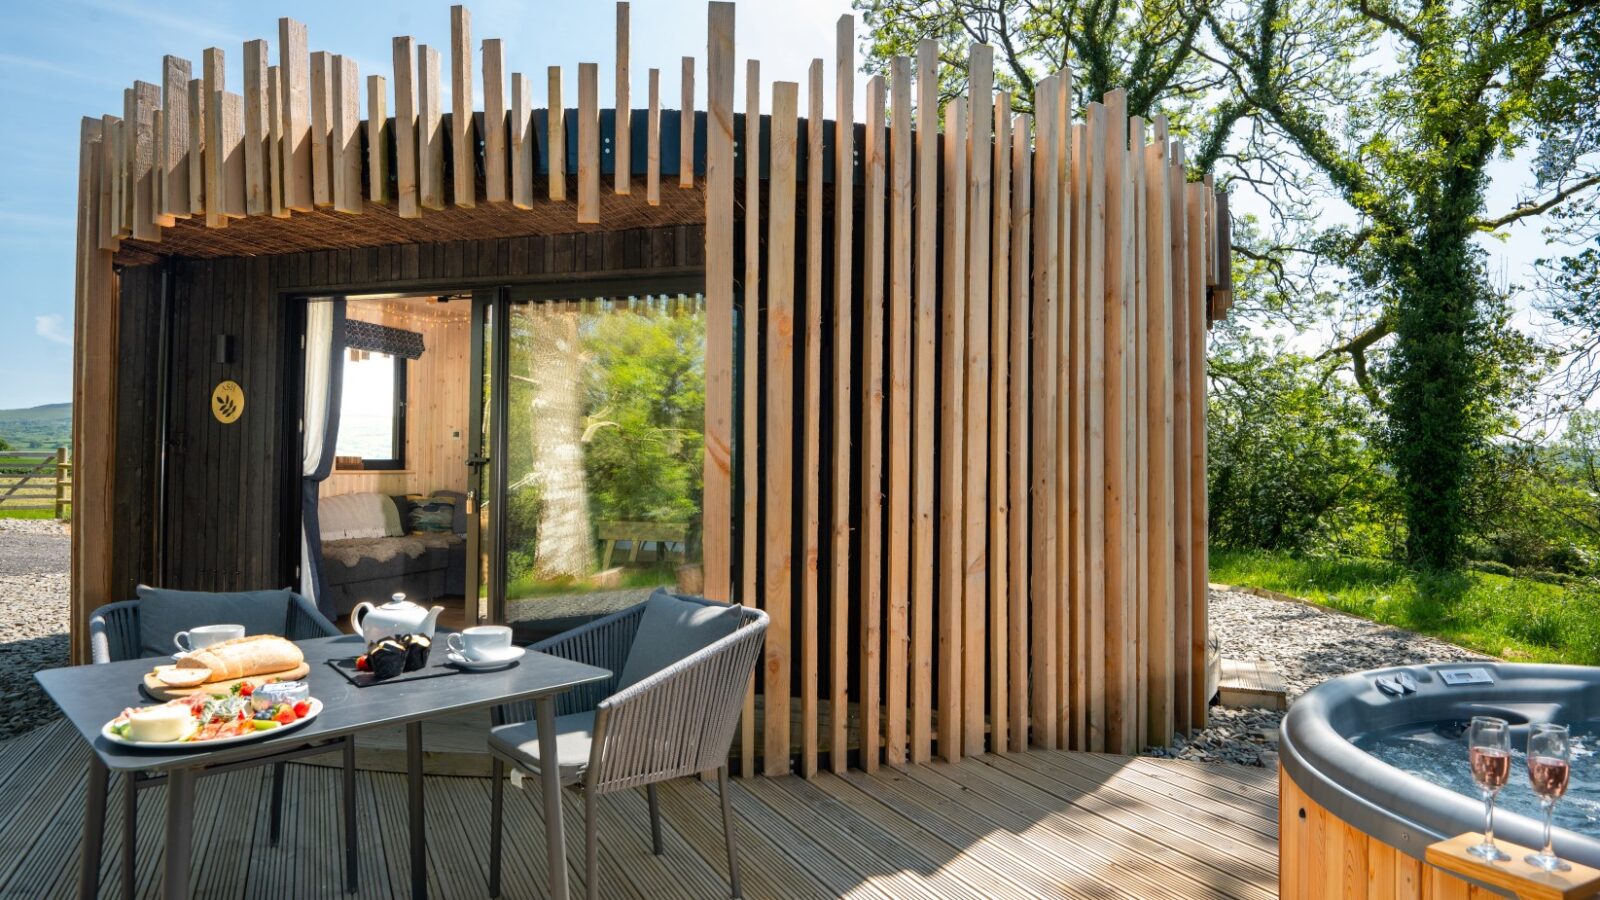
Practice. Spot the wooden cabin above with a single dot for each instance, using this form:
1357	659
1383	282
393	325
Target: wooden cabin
924	381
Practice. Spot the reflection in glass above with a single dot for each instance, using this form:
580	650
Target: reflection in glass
605	417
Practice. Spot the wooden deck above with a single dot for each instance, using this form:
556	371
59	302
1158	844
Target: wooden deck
1037	824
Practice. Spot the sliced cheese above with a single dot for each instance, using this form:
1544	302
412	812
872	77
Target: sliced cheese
168	722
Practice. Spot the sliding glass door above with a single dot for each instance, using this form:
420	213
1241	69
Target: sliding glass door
593	407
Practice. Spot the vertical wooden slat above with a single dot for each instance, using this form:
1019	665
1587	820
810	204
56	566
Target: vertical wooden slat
1094	449
999	426
496	180
232	154
870	597
843	310
623	157
780	411
198	136
1198	599
686	117
215	153
975	505
1060	472
811	472
122	153
158	169
293	69
105	176
951	433
588	143
521	141
652	152
463	140
377	140
1076	306
1017	426
405	128
718	501
1118	589
275	164
346	136
174	199
1139	557
430	130
1159	417
1182	583
1042	528
323	86
899	407
925	387
750	451
257	199
556	136
141	161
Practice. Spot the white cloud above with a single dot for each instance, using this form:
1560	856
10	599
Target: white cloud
53	328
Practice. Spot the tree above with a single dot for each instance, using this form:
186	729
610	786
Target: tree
1407	144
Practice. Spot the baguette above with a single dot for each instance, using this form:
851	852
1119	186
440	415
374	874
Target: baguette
259	654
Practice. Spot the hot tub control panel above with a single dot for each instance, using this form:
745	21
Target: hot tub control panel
1475	675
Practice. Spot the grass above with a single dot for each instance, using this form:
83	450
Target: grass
26	513
1509	617
528	587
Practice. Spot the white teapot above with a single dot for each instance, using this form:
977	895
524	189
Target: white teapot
398	616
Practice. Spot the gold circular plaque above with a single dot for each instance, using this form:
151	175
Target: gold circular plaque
227	402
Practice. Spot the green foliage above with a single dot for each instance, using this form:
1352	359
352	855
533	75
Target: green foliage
37	428
1513	618
1291	465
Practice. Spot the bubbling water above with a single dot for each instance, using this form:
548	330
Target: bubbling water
1437	753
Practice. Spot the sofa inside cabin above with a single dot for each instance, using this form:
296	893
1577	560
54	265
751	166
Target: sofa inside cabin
377	545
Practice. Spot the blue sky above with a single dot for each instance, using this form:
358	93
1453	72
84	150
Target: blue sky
69	58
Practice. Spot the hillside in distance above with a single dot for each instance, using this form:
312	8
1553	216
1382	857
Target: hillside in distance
37	428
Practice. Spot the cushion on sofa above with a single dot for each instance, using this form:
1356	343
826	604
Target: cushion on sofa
364	515
435	513
672	629
163	613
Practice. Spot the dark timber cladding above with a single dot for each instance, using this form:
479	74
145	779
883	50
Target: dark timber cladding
959	457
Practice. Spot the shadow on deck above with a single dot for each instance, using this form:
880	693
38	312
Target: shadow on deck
1034	824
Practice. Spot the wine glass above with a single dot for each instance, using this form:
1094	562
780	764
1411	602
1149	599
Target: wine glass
1549	767
1489	748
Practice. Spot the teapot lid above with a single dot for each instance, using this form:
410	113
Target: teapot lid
397	601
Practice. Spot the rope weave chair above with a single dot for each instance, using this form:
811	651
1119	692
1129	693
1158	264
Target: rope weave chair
114	637
679	721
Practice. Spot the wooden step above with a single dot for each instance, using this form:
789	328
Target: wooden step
1251	682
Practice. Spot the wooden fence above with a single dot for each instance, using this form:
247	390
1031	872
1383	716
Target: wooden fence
994	481
34	480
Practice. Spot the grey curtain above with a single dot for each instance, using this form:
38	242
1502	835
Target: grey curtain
324	382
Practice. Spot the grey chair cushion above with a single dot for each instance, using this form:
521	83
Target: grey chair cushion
163	613
673	628
574	737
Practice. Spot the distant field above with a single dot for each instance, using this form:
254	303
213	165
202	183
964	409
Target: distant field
37	428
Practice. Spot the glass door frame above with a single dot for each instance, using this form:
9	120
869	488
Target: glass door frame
491	348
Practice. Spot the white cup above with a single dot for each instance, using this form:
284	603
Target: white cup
481	643
203	636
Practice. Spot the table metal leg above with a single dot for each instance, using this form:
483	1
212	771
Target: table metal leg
94	825
179	834
555	840
350	873
419	838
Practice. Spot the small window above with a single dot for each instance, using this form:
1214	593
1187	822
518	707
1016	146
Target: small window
372	412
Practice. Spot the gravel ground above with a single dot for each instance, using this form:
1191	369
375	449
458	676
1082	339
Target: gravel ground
1307	645
34	556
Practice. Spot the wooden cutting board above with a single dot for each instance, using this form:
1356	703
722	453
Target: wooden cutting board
156	689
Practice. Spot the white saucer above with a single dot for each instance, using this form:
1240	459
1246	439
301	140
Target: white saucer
512	655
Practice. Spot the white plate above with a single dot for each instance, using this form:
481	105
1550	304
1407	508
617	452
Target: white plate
112	736
487	664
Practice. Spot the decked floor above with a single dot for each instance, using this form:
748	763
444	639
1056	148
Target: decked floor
1037	824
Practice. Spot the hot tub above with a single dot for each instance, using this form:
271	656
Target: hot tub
1349	819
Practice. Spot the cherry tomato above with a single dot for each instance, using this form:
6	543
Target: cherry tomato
246	689
285	716
301	708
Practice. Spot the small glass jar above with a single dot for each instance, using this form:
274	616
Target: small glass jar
269	695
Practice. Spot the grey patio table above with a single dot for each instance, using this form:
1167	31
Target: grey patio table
90	696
